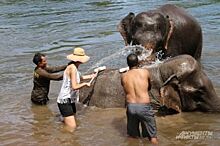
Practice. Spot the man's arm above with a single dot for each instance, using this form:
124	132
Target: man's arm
54	69
50	76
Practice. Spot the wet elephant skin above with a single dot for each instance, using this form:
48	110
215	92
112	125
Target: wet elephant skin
179	84
169	29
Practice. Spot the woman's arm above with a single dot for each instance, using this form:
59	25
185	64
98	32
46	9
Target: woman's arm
73	77
93	75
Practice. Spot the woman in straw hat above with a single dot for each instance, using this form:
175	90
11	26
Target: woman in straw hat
69	92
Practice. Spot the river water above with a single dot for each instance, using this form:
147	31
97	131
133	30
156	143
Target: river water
54	27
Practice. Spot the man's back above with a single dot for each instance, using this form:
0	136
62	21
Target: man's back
136	83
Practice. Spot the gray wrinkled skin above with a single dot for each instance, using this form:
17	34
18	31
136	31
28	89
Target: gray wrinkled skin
151	29
179	84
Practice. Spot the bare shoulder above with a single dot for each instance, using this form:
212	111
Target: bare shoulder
72	67
123	75
145	72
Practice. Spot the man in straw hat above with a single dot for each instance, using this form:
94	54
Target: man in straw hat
69	93
42	76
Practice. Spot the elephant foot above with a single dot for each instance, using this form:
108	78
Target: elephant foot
164	110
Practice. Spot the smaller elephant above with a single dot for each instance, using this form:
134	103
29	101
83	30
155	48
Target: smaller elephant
182	85
168	29
178	83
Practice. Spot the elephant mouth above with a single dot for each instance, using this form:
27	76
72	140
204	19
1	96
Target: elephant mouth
156	47
142	53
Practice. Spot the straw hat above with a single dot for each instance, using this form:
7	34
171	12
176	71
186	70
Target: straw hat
78	55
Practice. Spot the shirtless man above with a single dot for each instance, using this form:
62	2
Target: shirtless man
136	83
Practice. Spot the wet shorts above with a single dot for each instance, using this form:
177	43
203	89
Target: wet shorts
144	114
67	109
40	101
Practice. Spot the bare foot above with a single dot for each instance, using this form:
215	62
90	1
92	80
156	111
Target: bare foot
154	141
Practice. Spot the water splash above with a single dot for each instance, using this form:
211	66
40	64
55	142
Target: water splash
159	54
118	59
140	51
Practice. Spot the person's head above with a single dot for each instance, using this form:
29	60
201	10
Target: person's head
40	60
132	60
78	56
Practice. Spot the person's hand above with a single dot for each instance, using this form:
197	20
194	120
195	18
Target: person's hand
88	84
99	69
94	75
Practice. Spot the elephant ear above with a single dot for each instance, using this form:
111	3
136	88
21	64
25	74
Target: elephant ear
124	27
169	96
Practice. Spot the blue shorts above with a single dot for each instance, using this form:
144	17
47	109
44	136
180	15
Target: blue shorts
144	114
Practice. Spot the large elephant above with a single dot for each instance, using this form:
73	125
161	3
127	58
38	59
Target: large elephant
179	84
169	29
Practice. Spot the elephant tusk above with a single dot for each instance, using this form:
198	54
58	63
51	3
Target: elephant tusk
169	79
169	34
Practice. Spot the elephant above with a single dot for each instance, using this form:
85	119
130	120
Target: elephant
179	84
168	29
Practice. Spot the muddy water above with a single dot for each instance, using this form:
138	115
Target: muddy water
53	27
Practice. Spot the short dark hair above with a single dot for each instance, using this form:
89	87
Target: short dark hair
132	60
37	58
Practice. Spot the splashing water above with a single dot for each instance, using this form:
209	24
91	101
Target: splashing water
140	51
143	53
119	57
114	60
159	54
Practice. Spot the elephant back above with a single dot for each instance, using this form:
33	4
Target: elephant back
106	92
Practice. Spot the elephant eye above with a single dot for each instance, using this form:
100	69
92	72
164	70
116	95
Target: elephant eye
138	25
156	27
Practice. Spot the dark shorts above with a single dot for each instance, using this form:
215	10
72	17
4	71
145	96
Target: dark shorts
144	114
67	109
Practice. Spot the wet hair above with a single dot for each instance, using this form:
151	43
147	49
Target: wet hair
132	60
37	58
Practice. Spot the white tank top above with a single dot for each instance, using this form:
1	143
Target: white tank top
67	92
